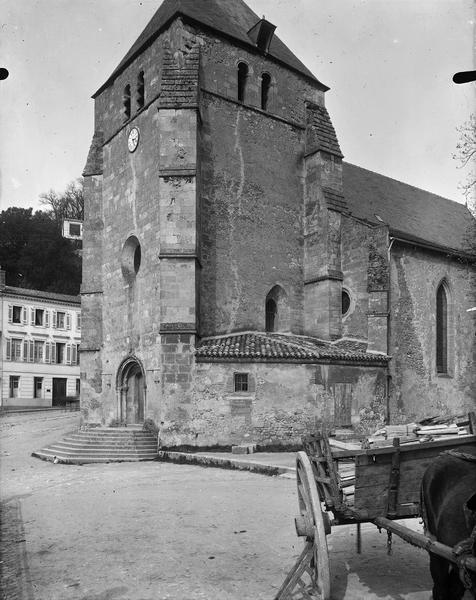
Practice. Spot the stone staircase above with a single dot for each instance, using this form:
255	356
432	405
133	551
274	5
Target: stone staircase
102	445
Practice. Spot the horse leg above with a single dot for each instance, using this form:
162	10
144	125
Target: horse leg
439	569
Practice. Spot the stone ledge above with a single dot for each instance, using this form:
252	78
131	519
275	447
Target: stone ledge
206	460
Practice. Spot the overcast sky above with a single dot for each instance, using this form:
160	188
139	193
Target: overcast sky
389	65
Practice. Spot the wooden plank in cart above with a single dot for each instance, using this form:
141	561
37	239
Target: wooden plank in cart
372	476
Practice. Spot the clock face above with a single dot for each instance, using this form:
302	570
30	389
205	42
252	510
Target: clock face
133	139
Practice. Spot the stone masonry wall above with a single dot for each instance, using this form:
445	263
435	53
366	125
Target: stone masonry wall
285	402
251	216
417	390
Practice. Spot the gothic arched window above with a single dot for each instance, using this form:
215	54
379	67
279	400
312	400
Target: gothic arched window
441	329
265	87
242	77
271	314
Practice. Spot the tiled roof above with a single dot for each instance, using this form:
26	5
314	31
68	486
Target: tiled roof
16	291
94	162
410	213
277	346
323	135
233	18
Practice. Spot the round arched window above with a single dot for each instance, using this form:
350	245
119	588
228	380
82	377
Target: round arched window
131	258
345	302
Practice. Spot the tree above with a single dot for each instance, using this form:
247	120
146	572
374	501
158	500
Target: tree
66	205
33	251
466	156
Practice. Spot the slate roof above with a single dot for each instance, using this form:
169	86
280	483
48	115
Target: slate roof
232	18
16	291
411	213
275	347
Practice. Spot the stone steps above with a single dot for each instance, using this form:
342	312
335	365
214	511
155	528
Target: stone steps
102	445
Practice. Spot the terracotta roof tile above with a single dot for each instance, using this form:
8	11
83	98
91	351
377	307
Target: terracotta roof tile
275	347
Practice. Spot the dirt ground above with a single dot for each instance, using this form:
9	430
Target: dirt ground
156	531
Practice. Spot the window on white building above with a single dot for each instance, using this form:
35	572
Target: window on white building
60	353
39	317
60	320
16	314
38	387
39	351
16	349
14	386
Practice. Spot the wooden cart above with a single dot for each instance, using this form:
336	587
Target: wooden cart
384	487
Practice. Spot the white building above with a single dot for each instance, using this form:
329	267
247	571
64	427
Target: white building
40	334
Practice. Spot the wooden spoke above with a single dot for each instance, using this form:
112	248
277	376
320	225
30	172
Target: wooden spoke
310	509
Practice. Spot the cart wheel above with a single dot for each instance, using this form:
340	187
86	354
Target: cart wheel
313	523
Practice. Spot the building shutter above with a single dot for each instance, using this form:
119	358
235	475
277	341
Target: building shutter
10	313
78	321
53	318
24	316
32	316
31	356
47	318
25	350
53	352
47	352
74	354
68	354
9	350
68	320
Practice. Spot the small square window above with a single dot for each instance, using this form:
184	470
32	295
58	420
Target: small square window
16	314
241	382
75	229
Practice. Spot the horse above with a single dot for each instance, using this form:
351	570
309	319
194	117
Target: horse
448	503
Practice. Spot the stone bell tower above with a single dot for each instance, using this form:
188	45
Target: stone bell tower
141	261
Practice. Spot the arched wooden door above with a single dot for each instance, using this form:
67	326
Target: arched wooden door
132	393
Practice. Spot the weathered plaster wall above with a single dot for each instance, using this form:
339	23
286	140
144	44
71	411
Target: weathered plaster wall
284	402
417	390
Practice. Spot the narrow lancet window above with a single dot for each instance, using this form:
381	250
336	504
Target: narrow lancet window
242	78
271	311
265	86
441	330
126	102
140	91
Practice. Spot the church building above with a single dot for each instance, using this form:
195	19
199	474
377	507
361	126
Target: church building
241	282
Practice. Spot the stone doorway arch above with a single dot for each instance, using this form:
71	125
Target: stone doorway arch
132	391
